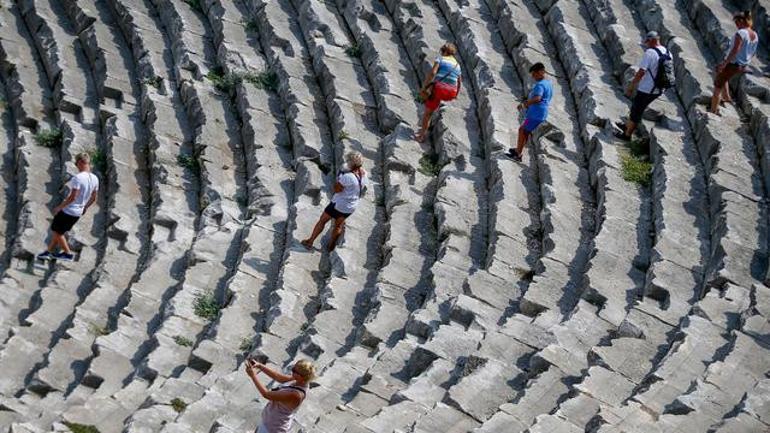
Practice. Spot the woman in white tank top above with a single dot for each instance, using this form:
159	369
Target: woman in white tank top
742	49
284	400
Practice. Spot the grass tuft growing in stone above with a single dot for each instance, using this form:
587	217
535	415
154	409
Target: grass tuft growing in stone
195	5
81	428
636	169
267	80
154	81
178	405
182	341
98	330
250	25
206	306
189	162
429	165
98	160
245	344
223	82
343	135
51	138
413	9
353	50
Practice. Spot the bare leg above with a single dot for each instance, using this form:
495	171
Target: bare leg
339	227
630	128
521	141
424	124
54	242
63	243
726	93
319	226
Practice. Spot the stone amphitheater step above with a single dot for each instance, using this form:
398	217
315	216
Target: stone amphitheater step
565	194
172	235
65	61
128	185
54	302
675	384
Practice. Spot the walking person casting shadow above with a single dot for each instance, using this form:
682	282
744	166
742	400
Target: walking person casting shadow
285	400
742	49
83	189
442	84
348	190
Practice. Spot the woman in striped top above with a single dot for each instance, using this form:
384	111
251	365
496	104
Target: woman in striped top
443	84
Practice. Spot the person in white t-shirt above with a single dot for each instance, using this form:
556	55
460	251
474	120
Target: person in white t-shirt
348	189
644	83
83	189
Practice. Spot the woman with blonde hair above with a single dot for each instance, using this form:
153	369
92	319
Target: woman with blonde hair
742	49
348	189
284	401
442	84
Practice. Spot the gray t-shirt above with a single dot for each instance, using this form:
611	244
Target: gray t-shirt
86	183
347	200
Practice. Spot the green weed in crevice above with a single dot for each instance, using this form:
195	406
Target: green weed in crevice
178	405
98	160
245	344
154	81
429	165
81	428
353	50
636	169
182	341
206	306
189	162
267	80
195	5
250	25
50	138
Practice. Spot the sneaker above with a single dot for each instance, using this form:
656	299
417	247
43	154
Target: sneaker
45	255
513	155
622	136
64	256
620	125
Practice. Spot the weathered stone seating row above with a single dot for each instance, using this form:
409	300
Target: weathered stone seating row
175	203
160	355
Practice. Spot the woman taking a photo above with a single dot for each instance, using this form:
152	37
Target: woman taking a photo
284	400
442	84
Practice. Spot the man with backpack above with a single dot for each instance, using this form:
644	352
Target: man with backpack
655	75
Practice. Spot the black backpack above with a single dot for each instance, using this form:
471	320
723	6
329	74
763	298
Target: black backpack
665	78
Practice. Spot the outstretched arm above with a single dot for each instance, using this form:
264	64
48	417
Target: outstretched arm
273	374
289	397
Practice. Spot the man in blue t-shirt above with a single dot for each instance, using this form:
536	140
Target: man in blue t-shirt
536	106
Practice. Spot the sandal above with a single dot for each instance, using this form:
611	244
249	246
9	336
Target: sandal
306	243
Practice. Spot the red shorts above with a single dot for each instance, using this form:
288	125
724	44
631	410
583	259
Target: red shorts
441	92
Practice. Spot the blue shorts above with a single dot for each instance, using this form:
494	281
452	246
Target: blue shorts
529	125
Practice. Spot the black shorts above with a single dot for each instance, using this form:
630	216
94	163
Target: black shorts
639	104
334	213
62	222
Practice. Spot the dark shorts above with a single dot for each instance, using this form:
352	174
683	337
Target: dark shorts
639	104
334	213
729	71
530	125
62	222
